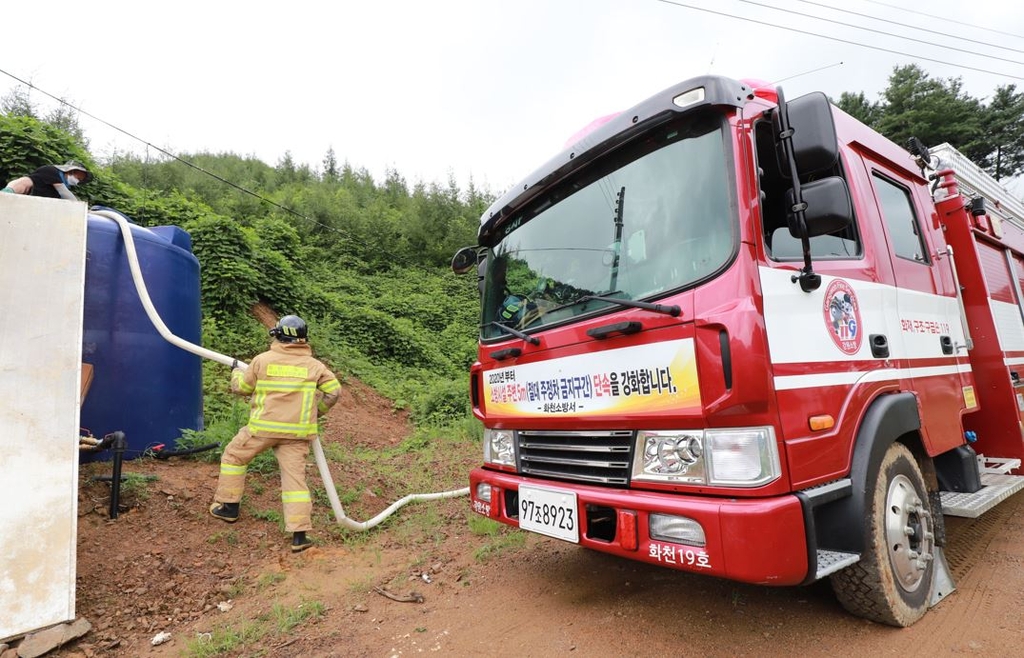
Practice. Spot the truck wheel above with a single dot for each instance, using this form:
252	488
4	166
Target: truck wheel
892	583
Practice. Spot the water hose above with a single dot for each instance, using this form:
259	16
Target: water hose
332	494
318	451
167	454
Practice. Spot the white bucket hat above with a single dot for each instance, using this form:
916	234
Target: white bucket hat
71	165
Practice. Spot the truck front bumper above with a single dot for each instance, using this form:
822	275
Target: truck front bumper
759	540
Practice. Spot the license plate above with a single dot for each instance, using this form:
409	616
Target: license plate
550	512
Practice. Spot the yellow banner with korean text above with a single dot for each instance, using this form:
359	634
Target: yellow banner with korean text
640	380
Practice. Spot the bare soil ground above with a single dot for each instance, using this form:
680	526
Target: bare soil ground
165	565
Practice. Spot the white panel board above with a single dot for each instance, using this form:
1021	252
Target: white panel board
42	283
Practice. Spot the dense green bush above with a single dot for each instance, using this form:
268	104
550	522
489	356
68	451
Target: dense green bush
443	404
230	282
366	264
27	144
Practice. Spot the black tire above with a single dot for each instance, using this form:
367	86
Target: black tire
892	583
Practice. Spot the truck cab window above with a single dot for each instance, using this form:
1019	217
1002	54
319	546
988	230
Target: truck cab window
780	245
900	220
655	218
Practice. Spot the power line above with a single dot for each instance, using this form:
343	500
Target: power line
944	18
919	29
171	155
846	41
797	75
868	29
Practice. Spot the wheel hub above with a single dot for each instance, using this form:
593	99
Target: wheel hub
908	533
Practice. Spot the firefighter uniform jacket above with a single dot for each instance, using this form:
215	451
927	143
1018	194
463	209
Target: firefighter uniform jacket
289	390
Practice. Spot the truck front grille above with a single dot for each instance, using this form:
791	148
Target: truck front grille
591	457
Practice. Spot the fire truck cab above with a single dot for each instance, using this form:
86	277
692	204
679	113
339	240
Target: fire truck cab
737	335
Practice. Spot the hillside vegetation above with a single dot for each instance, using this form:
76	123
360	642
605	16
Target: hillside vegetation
364	262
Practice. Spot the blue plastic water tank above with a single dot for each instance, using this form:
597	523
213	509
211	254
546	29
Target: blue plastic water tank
142	385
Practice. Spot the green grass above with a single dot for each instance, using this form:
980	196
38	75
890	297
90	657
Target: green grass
418	442
230	639
511	541
271	515
236	589
483	526
362	585
230	537
136	486
219	429
264	463
288	618
431	460
337	452
424	524
500	537
268	579
346	496
225	639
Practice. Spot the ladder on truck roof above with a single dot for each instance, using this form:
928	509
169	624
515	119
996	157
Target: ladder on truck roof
975	181
997	484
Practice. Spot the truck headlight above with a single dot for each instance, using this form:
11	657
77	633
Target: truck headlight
672	456
739	457
499	447
742	457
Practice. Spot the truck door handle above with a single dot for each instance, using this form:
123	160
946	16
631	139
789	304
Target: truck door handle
879	346
509	352
618	328
947	344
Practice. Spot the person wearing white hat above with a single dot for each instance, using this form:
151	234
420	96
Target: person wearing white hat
53	181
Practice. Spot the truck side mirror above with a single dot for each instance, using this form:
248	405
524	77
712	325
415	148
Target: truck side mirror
809	145
828	207
465	260
815	145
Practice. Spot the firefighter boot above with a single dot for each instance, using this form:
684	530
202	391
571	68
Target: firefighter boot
300	542
225	511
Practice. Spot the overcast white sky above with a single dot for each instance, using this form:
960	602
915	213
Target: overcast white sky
487	89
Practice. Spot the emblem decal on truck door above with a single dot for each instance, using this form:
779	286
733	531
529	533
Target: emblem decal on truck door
842	316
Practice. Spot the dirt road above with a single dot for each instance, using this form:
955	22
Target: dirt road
166	566
540	598
555	599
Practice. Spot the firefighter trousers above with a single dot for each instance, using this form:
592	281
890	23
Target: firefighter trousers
291	457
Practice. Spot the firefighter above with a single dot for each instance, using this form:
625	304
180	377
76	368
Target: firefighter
289	390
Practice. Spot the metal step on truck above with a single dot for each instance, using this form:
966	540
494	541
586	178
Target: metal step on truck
752	338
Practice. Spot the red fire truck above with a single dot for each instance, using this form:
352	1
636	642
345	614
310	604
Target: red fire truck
752	338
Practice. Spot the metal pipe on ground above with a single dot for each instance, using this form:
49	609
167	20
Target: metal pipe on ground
120	443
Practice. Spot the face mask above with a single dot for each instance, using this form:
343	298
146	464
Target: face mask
72	180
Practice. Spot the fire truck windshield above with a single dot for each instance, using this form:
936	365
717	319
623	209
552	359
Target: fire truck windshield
657	219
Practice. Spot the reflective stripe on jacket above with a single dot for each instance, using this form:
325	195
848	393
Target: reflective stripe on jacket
289	390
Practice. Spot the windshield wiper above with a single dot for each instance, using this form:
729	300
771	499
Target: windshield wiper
532	340
672	310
